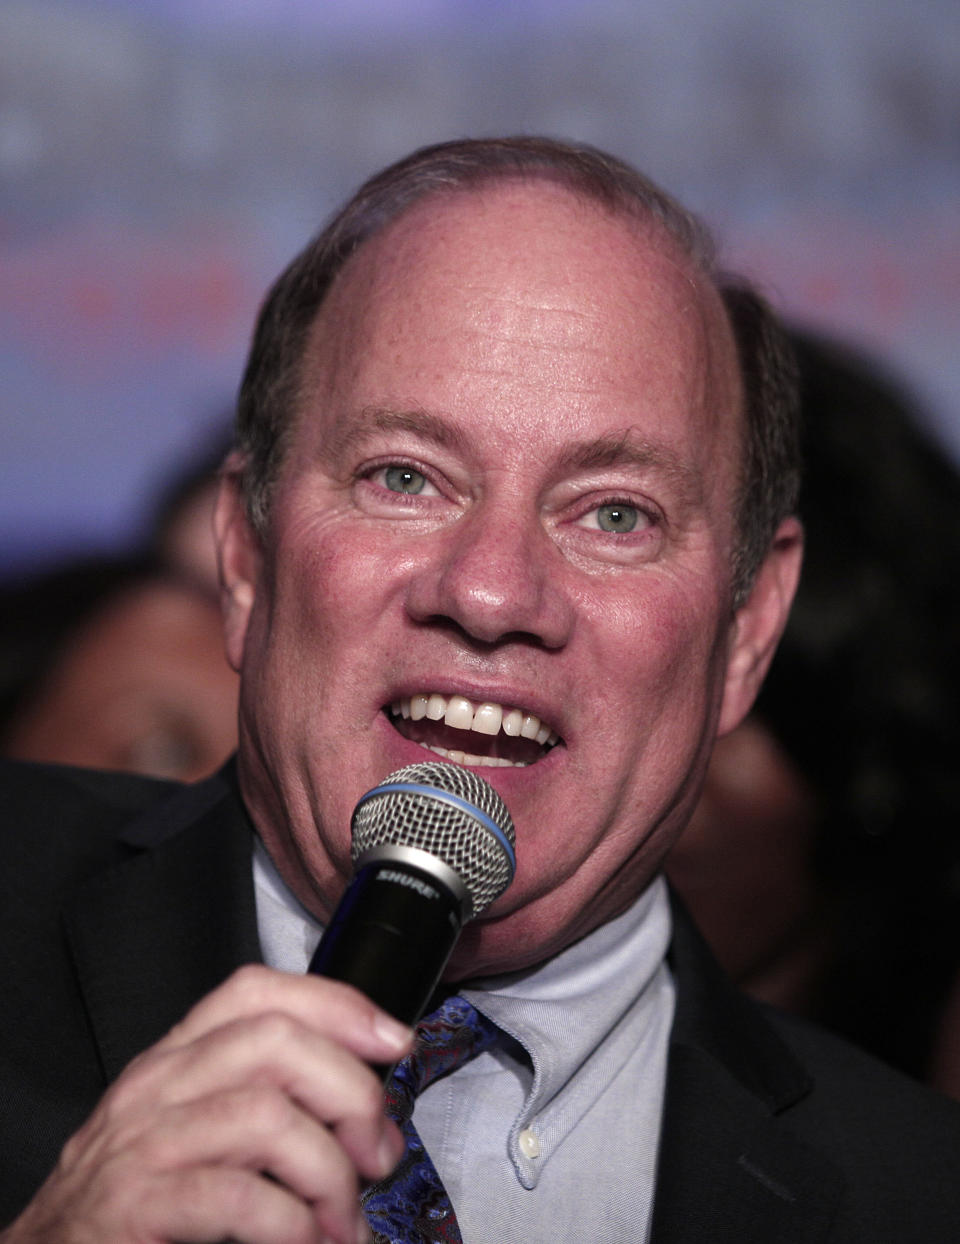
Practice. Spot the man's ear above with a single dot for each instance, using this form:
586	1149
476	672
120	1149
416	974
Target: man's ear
239	560
759	623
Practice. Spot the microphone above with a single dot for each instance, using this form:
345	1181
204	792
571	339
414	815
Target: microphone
433	846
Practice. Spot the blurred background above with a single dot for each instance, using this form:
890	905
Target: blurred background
160	160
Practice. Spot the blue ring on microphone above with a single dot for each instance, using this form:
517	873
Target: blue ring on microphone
434	792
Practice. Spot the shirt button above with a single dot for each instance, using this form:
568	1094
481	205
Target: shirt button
529	1143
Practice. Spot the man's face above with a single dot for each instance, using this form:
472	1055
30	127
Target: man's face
507	499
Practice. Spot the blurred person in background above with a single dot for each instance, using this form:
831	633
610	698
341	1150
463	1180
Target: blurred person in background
118	662
823	861
115	664
181	527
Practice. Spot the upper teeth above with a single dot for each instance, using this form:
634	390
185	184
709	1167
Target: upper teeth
486	718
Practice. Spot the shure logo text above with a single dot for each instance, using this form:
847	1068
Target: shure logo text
412	883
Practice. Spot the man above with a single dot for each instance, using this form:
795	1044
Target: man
514	483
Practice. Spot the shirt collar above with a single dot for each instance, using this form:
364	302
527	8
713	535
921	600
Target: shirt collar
288	933
580	1016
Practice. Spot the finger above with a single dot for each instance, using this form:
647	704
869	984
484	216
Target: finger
263	1130
121	1202
329	1007
269	1051
206	1205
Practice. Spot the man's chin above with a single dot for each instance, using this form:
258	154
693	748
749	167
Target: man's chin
503	944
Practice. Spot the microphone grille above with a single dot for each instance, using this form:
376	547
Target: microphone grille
448	812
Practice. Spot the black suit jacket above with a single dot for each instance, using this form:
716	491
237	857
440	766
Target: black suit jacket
123	901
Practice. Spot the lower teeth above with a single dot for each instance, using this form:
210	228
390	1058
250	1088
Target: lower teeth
465	758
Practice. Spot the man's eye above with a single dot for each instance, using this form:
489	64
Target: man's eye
614	517
404	479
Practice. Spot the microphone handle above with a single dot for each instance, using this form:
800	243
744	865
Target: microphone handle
391	936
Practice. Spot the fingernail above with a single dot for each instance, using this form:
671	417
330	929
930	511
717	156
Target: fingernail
398	1036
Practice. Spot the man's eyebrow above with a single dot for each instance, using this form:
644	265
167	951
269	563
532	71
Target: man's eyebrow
373	420
627	449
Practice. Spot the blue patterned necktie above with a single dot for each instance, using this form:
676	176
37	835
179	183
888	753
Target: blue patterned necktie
411	1206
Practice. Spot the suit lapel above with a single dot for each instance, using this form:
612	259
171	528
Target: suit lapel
155	933
730	1167
730	1170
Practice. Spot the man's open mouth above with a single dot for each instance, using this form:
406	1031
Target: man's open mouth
468	733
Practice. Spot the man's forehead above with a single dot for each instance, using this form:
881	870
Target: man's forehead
519	218
577	257
514	213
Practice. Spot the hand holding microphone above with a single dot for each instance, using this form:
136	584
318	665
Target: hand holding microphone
253	1118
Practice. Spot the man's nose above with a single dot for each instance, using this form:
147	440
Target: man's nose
496	578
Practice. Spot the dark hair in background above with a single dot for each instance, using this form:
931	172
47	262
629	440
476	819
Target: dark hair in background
42	613
177	491
269	396
864	694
